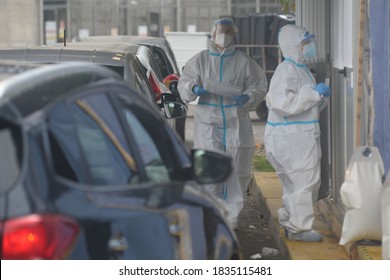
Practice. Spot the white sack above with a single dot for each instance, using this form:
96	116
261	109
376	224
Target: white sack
385	205
360	194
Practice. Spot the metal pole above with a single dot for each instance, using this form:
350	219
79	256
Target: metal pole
161	21
93	16
67	24
178	10
40	23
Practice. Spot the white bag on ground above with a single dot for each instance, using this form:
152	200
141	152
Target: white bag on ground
385	204
360	194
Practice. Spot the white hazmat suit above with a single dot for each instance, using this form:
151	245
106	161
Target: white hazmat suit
292	135
220	123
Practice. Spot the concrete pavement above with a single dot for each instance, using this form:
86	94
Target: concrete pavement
267	192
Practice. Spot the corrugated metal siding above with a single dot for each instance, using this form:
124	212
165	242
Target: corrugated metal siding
312	14
342	108
332	23
342	33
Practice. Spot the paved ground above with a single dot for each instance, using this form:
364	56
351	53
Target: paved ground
253	232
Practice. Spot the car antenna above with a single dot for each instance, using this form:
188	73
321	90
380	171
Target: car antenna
64	37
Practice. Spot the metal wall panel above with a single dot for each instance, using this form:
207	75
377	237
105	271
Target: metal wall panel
312	14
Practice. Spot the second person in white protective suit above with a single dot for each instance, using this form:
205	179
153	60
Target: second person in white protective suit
292	133
228	84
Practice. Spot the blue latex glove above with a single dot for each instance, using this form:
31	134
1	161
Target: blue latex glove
241	100
322	89
200	91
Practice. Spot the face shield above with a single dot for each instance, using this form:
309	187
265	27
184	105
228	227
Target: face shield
309	47
295	42
223	32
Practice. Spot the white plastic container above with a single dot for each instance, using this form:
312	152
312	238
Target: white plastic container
385	210
361	195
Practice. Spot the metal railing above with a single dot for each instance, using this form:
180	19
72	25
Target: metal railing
259	53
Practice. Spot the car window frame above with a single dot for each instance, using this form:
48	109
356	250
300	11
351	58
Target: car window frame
163	126
163	57
116	94
105	90
145	85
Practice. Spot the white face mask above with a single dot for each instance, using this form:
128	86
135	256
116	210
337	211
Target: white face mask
223	40
309	51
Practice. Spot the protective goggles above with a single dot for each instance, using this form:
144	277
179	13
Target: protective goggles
307	37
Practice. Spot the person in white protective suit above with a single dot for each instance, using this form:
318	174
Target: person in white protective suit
228	84
292	133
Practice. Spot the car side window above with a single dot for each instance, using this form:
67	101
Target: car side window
163	62
142	84
154	166
88	144
155	66
156	149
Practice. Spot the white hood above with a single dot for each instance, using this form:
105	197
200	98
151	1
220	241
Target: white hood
290	39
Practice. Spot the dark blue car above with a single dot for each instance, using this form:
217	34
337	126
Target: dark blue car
89	170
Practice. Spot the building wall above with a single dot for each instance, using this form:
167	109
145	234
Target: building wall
20	23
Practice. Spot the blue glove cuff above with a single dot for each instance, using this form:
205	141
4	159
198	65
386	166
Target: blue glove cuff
199	91
195	89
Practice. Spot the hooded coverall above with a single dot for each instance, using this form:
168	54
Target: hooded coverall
220	124
292	134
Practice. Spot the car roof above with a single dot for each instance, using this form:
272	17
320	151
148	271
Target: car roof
116	49
120	57
147	40
108	46
151	42
34	89
114	54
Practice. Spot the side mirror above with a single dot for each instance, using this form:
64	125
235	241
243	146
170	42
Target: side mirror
174	110
210	167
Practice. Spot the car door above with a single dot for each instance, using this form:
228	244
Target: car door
113	182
